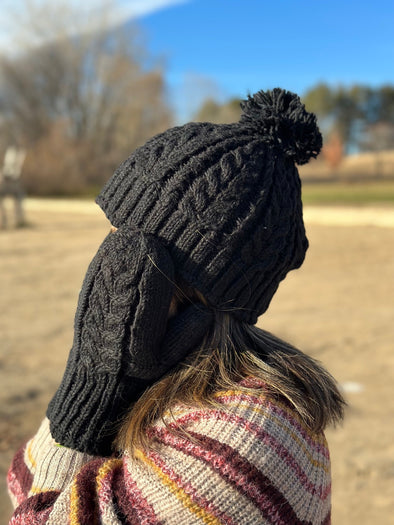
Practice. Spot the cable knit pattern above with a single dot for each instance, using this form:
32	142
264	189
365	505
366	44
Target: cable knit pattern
250	460
224	199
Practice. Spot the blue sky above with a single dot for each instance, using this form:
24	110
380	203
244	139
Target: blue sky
226	48
232	47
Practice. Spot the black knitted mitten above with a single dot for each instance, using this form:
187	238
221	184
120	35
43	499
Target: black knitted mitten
122	340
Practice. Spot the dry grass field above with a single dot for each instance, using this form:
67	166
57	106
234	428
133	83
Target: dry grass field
339	308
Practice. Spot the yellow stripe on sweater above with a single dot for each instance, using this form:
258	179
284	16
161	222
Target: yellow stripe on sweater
30	455
107	467
178	492
37	490
74	501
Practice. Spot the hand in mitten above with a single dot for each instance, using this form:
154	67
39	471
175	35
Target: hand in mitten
123	341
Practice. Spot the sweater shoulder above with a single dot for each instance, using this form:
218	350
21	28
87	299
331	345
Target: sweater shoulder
247	407
244	457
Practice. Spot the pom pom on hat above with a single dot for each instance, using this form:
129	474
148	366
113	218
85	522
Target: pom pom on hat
280	118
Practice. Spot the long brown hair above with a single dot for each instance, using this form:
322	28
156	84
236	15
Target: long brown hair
231	352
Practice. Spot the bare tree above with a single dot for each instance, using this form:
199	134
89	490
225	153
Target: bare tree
86	91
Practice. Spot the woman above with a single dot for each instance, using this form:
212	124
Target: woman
174	408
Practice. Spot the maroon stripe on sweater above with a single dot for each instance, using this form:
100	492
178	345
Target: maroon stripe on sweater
131	507
285	413
35	509
19	477
264	438
238	472
87	509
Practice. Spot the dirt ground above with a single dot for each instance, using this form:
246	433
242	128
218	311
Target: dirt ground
339	308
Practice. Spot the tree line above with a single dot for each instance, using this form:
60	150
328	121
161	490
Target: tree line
361	116
77	102
356	118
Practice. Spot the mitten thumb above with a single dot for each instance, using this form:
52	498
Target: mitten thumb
185	332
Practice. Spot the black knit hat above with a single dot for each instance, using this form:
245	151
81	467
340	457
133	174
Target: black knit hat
225	200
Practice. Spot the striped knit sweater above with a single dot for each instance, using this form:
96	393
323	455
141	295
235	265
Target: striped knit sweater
248	461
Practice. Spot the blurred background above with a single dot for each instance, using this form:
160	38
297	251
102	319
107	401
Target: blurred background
82	84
